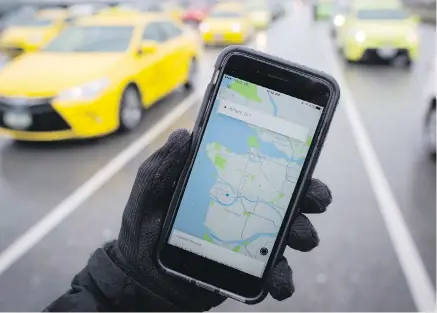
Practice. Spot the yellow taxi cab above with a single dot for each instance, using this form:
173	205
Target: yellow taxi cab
226	23
259	12
27	35
379	28
96	77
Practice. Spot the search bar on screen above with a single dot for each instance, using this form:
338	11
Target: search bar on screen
263	120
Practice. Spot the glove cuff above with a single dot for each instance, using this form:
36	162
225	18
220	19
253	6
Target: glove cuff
120	287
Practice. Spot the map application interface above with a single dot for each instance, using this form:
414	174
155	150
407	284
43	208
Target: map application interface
250	157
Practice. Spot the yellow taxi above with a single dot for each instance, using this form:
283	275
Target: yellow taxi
259	12
226	23
96	77
379	28
27	35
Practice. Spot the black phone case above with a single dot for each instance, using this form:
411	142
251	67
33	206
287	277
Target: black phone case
198	129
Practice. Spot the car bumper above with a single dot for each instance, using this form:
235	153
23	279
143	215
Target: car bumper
224	38
53	120
356	52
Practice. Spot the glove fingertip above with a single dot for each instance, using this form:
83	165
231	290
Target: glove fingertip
281	284
303	236
179	136
317	199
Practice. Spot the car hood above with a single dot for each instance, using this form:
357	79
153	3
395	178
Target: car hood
22	35
45	74
385	28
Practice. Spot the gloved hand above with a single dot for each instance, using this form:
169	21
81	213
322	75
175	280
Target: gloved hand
144	215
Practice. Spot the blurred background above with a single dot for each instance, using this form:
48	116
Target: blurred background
89	89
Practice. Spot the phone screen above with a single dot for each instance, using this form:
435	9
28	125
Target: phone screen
250	157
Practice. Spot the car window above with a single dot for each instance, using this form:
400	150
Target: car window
384	14
154	32
171	30
225	14
92	39
33	22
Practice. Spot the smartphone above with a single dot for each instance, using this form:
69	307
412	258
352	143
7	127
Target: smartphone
256	141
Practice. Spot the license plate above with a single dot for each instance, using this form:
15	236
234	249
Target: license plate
387	53
218	36
17	120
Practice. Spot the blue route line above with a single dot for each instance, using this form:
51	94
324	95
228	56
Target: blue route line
275	107
241	196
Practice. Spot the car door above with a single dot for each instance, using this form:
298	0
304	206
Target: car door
178	54
153	67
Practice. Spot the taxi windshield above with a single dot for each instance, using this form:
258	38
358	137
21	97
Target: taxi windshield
225	14
385	14
92	39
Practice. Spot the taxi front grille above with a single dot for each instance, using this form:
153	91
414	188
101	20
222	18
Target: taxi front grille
12	51
44	117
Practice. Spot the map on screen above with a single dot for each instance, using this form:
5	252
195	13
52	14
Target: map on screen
244	174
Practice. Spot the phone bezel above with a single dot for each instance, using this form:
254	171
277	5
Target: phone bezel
195	268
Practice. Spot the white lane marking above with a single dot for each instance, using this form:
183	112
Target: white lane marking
418	280
3	143
44	226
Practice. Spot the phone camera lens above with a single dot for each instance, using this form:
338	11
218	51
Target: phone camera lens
264	251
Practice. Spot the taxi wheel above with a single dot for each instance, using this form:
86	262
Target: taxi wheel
189	84
131	109
402	61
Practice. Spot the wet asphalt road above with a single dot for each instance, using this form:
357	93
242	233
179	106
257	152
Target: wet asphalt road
354	269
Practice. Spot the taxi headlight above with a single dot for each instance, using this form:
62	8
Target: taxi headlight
236	27
339	20
360	36
87	92
204	27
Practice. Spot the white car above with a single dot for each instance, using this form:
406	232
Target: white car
430	112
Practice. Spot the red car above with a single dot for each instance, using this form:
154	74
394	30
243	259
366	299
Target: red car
195	14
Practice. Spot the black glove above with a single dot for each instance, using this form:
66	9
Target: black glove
145	212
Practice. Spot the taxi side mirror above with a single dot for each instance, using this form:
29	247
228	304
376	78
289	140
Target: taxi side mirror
147	47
